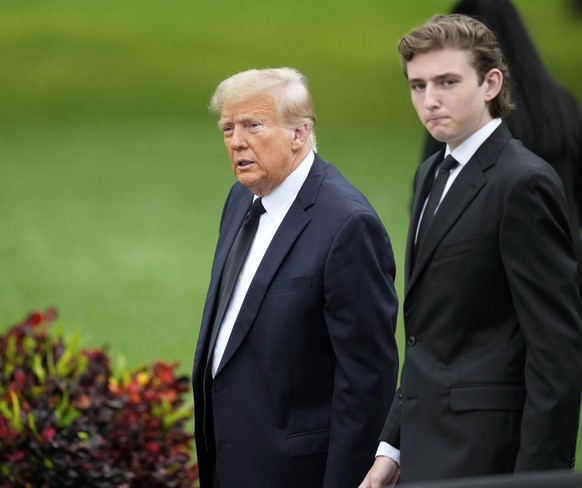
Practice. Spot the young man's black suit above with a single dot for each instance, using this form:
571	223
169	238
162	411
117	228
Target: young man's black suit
493	364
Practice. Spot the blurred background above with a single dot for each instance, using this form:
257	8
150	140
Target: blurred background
113	174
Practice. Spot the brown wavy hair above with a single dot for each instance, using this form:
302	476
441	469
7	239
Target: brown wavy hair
462	32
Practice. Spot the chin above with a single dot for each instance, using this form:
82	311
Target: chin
251	185
439	136
244	181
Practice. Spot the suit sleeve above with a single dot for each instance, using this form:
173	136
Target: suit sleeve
391	431
540	266
360	313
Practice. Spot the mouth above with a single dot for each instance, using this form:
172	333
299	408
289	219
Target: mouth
243	163
435	119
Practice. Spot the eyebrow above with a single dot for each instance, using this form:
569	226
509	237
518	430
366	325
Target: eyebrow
440	77
241	119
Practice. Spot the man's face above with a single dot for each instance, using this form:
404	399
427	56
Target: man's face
262	152
447	96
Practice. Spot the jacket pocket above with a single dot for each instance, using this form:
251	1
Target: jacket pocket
466	247
308	443
487	397
291	284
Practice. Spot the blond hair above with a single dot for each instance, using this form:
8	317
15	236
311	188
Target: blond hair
288	87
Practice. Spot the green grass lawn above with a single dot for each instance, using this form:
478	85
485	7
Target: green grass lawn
115	224
112	174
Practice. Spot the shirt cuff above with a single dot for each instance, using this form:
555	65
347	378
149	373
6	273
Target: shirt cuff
385	449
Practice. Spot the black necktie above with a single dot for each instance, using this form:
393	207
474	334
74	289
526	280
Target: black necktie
435	196
234	263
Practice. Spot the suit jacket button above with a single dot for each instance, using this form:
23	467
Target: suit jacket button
411	341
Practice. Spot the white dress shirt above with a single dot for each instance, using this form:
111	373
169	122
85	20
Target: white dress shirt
276	204
462	154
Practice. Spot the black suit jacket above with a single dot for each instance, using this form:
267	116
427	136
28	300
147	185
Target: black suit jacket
493	363
311	366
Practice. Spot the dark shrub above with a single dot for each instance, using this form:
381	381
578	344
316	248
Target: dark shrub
66	420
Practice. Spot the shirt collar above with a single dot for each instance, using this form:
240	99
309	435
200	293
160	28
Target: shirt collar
280	199
468	148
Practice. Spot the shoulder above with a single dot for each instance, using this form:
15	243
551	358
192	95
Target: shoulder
339	196
506	158
519	163
525	179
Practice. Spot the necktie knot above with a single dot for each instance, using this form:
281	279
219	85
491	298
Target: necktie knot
448	164
256	210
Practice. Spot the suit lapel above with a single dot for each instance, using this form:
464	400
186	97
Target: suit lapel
288	232
230	228
423	183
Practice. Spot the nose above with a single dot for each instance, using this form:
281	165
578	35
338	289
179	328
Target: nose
431	98
237	139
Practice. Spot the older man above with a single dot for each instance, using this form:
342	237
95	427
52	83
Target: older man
296	361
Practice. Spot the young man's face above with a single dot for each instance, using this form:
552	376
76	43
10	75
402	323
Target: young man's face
447	96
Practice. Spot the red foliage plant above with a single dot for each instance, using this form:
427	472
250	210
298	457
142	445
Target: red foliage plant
67	421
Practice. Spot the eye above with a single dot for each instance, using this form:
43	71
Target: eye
450	82
417	86
227	130
254	126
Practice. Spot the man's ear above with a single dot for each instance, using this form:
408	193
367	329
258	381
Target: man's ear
493	83
300	135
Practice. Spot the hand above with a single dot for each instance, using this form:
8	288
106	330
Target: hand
383	474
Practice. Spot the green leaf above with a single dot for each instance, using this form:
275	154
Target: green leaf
50	361
16	422
10	357
65	364
32	425
38	368
5	409
173	417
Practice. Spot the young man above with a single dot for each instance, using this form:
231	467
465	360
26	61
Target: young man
493	365
295	369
